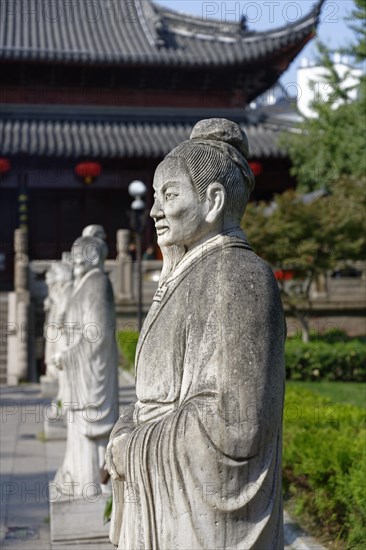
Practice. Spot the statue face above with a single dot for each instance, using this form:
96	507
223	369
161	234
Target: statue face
178	213
80	265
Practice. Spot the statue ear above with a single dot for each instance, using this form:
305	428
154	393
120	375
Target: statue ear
215	201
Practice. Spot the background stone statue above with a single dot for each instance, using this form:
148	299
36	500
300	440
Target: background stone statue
49	329
94	230
89	364
59	286
196	463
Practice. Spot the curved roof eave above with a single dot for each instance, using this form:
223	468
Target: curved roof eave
157	37
232	29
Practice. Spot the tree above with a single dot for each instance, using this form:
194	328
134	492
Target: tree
357	24
325	148
302	240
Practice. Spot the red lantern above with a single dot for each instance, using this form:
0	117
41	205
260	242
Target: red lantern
284	275
88	171
4	166
256	167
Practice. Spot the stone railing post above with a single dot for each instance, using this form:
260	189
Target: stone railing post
21	260
124	268
18	359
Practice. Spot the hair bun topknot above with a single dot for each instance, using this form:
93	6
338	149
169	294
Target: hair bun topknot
221	129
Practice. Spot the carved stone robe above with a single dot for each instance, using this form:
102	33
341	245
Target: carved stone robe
55	306
203	458
51	331
90	390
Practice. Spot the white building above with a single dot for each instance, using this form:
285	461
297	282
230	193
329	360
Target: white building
312	86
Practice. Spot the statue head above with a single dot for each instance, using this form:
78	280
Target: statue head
202	186
201	189
94	230
63	272
87	253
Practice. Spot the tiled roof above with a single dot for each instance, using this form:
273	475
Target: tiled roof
122	135
136	32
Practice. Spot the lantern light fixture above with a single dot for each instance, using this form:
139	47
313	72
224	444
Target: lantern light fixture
137	189
256	167
88	170
5	166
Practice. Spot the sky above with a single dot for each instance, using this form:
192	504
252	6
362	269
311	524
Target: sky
268	14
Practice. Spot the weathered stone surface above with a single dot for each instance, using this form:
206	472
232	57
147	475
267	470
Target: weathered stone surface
196	463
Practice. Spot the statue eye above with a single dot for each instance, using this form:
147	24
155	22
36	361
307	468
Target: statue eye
169	196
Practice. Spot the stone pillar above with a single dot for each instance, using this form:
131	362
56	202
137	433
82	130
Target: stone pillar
23	340
12	337
21	260
124	267
320	287
19	361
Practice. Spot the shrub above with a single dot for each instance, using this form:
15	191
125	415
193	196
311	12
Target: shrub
323	465
127	342
320	360
333	336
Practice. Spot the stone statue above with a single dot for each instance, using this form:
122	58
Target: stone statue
50	330
89	364
196	463
59	286
94	230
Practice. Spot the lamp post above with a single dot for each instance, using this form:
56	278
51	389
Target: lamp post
137	190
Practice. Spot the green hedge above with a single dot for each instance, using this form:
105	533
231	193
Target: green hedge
336	335
323	465
127	342
321	360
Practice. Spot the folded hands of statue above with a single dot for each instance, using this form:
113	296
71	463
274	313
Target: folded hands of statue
115	457
56	360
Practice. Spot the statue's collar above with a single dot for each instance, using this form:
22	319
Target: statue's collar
81	282
166	289
230	236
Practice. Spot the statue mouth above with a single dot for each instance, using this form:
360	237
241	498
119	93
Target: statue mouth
161	230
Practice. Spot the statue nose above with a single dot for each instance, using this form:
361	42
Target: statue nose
156	212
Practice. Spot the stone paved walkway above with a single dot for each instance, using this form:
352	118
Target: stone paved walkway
28	463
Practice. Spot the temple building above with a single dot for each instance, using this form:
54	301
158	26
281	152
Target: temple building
95	94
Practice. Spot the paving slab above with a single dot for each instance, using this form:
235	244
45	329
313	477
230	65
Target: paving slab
296	538
23	469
